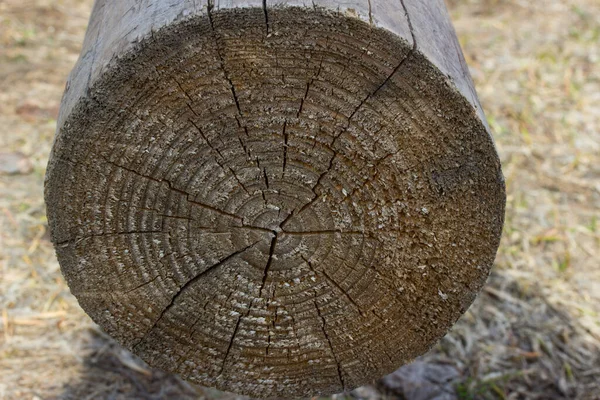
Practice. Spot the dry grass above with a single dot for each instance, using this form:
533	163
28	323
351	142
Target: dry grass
534	333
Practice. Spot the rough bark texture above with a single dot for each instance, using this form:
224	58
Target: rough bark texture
275	198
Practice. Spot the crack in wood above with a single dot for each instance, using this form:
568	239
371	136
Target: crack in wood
269	262
186	285
239	181
324	329
266	178
187	196
334	283
141	285
285	147
237	325
227	76
266	12
410	26
214	149
308	88
357	108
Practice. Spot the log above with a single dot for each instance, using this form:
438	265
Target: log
274	198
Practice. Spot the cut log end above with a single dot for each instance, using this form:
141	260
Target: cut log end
281	204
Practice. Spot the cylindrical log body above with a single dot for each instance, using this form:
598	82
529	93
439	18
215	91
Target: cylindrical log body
274	198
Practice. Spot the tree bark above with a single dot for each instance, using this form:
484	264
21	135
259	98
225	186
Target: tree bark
275	198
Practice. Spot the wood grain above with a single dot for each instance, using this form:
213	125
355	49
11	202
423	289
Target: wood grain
274	198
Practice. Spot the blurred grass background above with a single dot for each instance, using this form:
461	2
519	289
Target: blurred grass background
534	333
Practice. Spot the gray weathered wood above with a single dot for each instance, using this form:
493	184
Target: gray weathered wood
278	198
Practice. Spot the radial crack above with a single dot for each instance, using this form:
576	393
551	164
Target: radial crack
227	76
334	283
237	326
269	262
303	99
187	195
214	149
186	285
266	178
266	12
239	181
182	192
141	285
359	106
285	146
324	329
